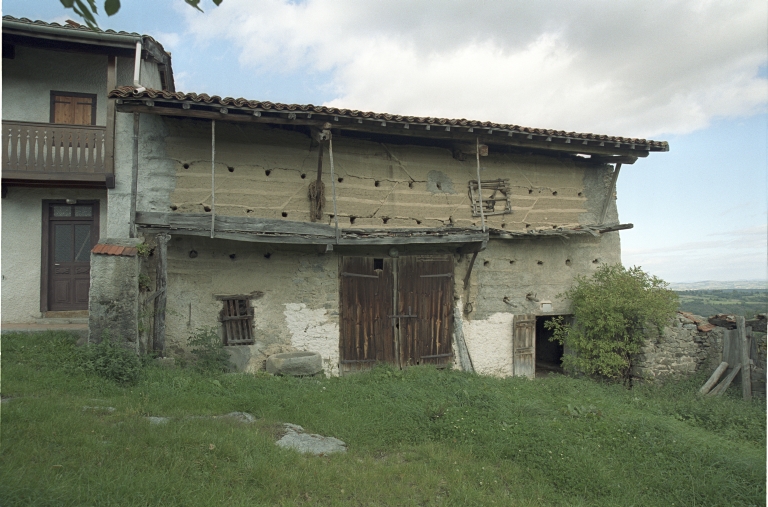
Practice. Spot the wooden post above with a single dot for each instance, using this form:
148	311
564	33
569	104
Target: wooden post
160	289
723	386
714	378
609	197
746	377
134	176
109	139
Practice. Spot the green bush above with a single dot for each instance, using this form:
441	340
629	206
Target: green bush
612	311
111	361
208	349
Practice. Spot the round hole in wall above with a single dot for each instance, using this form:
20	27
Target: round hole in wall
503	226
554	193
207	208
232	256
174	207
376	183
303	175
527	225
486	263
284	214
418	222
340	179
268	172
185	166
267	255
192	254
540	263
581	194
554	227
511	262
530	190
249	211
230	169
352	220
385	219
439	186
410	184
567	262
596	261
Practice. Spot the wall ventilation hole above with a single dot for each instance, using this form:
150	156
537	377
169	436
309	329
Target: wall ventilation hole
352	220
530	190
418	222
439	186
249	211
503	226
232	256
486	263
554	193
230	169
567	262
267	255
511	262
378	264
527	225
186	166
192	254
174	207
410	184
540	263
340	180
385	219
303	176
581	194
596	261
268	172
554	227
376	183
284	214
207	209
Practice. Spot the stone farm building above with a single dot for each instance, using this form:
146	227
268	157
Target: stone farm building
365	237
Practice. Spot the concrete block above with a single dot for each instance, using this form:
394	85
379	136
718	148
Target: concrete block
297	364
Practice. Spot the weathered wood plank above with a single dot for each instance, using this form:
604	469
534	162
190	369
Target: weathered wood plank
723	386
746	377
714	378
161	280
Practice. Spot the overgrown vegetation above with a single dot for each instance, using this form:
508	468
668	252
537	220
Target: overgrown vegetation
612	310
208	349
111	361
415	437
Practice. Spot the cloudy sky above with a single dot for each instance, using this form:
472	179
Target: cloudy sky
691	73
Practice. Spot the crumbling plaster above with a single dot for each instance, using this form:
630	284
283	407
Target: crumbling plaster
22	234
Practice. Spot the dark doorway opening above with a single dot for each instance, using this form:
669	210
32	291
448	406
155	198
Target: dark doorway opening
549	354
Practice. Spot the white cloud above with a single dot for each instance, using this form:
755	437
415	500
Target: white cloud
623	68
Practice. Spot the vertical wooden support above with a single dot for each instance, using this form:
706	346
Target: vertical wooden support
609	197
134	175
213	176
161	283
109	140
479	184
746	377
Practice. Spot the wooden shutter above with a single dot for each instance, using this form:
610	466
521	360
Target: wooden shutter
524	346
73	108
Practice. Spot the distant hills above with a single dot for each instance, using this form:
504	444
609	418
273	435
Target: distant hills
717	285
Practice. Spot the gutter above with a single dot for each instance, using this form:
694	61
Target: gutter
78	36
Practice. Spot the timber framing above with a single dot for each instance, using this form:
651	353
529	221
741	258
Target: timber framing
264	230
600	148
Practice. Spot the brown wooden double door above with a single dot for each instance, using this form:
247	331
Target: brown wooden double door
69	232
396	310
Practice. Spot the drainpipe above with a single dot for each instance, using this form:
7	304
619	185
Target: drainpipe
137	69
134	175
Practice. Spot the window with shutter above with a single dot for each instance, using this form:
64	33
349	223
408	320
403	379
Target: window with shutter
73	108
237	320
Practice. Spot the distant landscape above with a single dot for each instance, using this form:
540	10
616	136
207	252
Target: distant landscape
708	302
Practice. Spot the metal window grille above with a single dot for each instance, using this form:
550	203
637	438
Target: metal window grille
495	199
237	319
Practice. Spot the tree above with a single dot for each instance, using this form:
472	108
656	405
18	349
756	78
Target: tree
613	310
87	9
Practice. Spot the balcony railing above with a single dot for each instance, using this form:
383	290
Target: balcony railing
55	152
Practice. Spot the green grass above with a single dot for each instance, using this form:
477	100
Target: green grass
747	302
418	437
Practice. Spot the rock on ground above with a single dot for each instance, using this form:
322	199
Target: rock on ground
295	438
297	364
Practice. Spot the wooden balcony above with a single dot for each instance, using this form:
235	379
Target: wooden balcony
47	154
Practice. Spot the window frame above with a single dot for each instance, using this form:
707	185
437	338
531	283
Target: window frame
58	93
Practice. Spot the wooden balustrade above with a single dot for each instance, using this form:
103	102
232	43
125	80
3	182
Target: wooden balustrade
38	148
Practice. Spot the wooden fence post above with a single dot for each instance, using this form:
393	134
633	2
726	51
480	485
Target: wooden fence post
746	371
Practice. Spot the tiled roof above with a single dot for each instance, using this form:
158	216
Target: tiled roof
78	28
106	249
129	92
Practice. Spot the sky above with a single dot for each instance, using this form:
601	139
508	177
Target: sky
693	73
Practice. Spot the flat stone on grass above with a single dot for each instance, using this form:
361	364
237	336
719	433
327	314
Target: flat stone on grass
306	443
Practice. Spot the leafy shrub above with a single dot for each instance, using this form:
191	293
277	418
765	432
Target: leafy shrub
612	311
208	349
111	361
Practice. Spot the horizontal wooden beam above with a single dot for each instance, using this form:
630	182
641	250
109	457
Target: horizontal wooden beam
38	179
456	133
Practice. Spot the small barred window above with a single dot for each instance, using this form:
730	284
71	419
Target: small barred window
237	319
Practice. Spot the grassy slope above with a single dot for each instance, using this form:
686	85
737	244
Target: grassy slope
419	437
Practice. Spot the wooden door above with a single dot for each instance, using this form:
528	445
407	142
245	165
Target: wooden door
367	330
524	346
72	231
425	304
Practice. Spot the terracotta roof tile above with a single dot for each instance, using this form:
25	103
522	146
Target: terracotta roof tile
107	249
125	92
